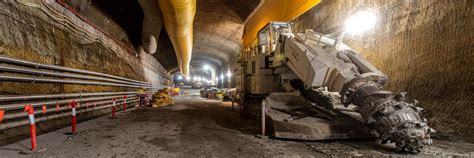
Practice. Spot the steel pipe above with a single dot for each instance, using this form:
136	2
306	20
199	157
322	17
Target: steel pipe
63	75
16	106
13	104
10	116
53	96
47	80
59	68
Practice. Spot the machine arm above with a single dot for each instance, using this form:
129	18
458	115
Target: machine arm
319	62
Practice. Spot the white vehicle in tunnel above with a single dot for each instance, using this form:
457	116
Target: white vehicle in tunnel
341	97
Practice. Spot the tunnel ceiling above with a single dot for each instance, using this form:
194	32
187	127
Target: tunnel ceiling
127	14
218	27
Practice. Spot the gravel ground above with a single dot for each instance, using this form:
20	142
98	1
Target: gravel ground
196	127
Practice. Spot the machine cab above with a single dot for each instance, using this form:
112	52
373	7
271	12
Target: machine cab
268	36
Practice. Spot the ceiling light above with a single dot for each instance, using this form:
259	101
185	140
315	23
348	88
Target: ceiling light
206	67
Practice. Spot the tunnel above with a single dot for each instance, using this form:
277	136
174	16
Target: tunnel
236	78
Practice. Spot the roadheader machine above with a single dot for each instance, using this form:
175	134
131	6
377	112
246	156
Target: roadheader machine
311	86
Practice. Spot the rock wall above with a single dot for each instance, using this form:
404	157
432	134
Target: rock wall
425	47
46	32
91	12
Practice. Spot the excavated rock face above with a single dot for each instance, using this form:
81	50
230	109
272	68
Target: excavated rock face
425	47
32	31
133	24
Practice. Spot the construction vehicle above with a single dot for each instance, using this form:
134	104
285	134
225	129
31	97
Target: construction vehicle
314	87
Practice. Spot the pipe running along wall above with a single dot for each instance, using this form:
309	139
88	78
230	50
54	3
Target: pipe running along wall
273	10
44	70
178	17
42	73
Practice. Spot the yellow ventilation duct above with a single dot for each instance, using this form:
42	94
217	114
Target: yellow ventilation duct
178	17
273	10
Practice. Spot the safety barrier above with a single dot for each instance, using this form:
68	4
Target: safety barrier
14	116
113	109
49	110
16	111
74	110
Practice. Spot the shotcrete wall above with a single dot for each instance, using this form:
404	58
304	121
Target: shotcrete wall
46	32
425	47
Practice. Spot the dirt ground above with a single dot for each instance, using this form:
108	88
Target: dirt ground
196	127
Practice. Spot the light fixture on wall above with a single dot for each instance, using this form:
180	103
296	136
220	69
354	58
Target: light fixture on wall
358	23
361	21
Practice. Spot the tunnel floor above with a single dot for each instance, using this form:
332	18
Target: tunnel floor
196	127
